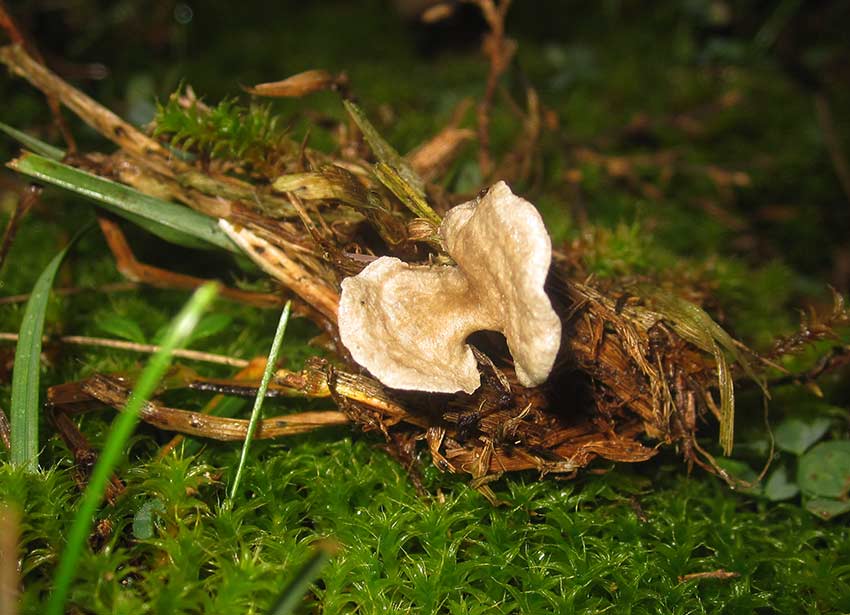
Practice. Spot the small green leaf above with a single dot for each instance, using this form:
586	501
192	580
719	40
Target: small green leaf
778	487
797	435
25	408
827	509
825	470
143	520
122	327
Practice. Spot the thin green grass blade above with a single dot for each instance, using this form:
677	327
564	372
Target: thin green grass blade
177	335
25	408
31	143
261	394
173	223
292	595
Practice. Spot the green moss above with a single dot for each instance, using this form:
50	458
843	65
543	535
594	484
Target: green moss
227	130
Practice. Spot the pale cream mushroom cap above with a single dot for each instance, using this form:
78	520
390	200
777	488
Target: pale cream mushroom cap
408	324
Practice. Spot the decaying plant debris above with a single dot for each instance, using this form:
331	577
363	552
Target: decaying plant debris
638	368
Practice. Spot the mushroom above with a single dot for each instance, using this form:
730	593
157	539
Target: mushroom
408	324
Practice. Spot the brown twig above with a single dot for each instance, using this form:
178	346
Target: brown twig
714	574
104	121
137	271
252	371
112	392
83	340
837	358
433	156
85	457
280	266
499	51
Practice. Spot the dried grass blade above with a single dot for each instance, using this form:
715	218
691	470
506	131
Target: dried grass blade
25	377
411	199
178	333
173	223
261	394
328	183
385	152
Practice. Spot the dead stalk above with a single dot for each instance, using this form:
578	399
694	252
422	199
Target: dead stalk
83	340
104	121
499	52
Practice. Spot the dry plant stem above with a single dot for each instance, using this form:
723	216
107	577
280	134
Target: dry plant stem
714	574
499	52
517	165
95	115
29	198
117	287
321	381
82	340
112	392
253	371
837	358
135	271
277	264
301	84
10	582
155	182
147	152
17	36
